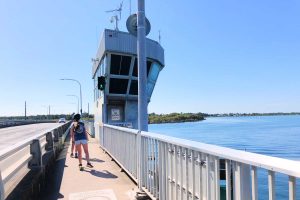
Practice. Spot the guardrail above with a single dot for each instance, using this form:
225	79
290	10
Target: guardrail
173	168
9	123
17	160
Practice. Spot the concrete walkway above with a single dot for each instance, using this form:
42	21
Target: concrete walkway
103	182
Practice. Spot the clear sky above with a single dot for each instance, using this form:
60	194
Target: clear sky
221	56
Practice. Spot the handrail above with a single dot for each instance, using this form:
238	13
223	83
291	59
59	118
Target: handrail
174	168
16	168
122	128
285	166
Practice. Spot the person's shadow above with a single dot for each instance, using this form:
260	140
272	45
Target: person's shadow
95	160
101	174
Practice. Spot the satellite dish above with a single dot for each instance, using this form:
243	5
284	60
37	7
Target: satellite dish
131	25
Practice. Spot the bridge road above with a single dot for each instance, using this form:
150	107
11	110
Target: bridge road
103	182
13	135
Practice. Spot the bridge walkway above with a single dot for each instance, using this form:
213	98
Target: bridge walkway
104	181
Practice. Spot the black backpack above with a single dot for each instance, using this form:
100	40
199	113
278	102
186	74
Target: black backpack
79	129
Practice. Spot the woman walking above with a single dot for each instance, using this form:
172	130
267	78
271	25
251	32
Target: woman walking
80	136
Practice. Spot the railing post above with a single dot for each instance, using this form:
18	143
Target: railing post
139	159
254	183
36	152
217	178
102	135
160	169
49	139
2	196
292	188
208	177
246	181
271	183
56	136
60	131
228	179
242	182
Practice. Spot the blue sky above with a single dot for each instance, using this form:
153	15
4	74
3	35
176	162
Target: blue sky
221	56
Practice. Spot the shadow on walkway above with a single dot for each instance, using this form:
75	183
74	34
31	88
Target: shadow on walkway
54	178
101	174
95	160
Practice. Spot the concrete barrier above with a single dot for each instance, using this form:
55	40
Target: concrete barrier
23	166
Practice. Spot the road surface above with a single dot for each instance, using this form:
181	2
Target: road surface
13	135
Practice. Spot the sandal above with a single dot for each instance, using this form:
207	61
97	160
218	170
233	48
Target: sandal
89	165
80	167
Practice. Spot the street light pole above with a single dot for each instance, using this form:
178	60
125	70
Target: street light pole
142	73
70	79
25	111
142	86
49	111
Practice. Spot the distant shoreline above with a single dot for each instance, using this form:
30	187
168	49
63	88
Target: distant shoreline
250	114
193	117
174	118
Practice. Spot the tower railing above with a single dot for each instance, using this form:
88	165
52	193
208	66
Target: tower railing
174	168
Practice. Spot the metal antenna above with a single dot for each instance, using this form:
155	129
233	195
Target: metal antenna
94	60
129	7
115	17
159	37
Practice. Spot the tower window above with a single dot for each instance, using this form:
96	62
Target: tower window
118	86
133	87
120	65
135	67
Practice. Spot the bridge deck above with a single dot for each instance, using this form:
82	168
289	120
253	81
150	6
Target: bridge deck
13	135
104	181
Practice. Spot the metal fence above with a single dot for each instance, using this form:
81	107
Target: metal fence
17	160
170	168
90	128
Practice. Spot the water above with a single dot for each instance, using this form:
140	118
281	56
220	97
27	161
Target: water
277	136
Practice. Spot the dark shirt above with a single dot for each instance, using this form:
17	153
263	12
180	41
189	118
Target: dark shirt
79	131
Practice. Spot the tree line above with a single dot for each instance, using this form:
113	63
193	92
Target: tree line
175	117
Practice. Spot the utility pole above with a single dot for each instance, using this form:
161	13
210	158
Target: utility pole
25	111
49	111
88	110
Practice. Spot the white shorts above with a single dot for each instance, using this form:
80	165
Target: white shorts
80	142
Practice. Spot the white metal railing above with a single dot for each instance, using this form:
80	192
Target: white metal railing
17	160
173	168
89	125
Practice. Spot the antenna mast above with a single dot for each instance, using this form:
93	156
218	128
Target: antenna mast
115	17
159	37
129	7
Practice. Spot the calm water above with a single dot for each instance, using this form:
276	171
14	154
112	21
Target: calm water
269	135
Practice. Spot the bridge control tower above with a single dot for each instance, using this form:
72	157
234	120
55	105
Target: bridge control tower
116	60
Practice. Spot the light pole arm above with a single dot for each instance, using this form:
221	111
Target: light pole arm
70	79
